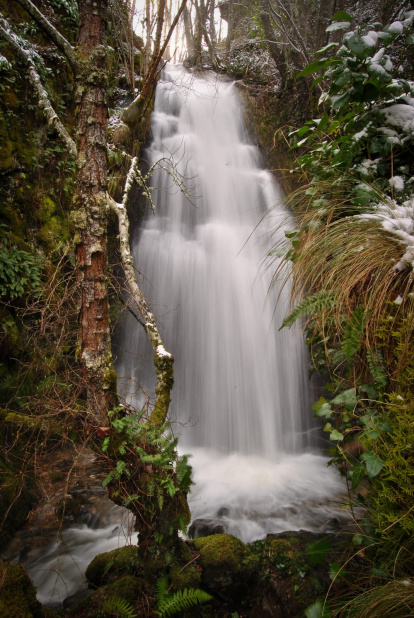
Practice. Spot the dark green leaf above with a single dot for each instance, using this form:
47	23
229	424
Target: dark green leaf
373	464
372	434
347	398
318	550
359	45
327	48
387	37
335	570
339	25
342	16
369	391
314	67
356	475
340	100
385	426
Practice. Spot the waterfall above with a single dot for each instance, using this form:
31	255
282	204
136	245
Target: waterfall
240	385
240	400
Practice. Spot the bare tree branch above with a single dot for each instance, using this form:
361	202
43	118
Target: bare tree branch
131	114
163	360
53	120
54	35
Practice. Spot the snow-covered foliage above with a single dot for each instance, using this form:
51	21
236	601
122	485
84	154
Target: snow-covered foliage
4	64
368	135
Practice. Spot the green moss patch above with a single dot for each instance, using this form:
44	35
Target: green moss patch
107	567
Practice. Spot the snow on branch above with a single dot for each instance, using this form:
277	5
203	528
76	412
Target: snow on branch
53	120
54	35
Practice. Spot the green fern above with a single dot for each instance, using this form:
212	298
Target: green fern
375	362
115	606
353	332
310	304
170	604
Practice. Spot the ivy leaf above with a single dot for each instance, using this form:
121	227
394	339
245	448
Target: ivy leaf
372	434
373	464
318	404
369	390
336	435
325	411
385	426
356	475
347	398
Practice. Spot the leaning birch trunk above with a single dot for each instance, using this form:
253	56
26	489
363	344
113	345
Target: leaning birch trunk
163	360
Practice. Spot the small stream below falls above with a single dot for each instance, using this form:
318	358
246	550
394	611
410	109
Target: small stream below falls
241	401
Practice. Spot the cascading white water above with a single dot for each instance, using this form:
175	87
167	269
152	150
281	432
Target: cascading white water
239	384
240	398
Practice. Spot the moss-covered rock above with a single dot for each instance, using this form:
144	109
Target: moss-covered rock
107	567
187	577
227	564
18	594
127	587
295	570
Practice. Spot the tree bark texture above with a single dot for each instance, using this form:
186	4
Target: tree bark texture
91	212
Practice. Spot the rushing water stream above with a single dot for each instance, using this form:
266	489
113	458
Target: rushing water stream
241	394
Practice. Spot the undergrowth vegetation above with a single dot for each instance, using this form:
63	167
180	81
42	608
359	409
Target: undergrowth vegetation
352	259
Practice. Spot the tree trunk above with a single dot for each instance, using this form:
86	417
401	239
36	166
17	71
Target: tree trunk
276	51
189	33
230	25
91	212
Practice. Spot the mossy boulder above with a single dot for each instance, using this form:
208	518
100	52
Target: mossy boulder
296	568
18	594
109	566
127	587
227	564
187	577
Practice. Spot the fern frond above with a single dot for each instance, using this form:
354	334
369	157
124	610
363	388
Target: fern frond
161	591
375	363
181	600
310	304
353	332
116	606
